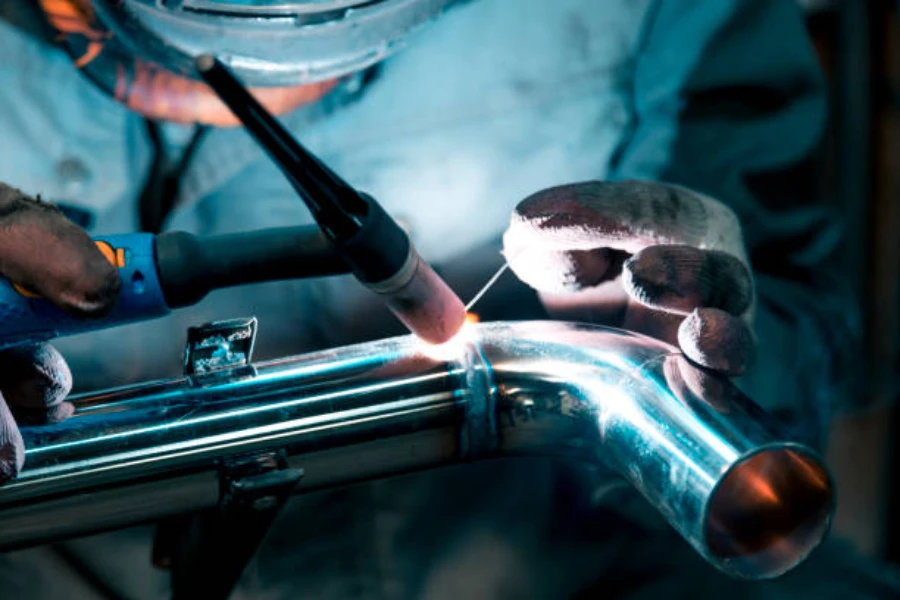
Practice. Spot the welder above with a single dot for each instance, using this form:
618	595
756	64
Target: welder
646	165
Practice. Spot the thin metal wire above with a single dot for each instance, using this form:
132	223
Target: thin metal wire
488	285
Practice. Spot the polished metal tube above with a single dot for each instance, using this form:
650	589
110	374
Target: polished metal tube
750	502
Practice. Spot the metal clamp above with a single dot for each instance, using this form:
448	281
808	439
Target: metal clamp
219	345
208	552
256	482
215	548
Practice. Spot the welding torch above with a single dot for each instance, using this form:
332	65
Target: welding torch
377	250
176	269
172	270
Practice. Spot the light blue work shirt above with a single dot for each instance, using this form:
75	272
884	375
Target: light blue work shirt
496	100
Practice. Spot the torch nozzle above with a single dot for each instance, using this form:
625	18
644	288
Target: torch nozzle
374	246
423	301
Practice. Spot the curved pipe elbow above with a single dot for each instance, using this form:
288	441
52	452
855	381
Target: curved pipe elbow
705	456
753	504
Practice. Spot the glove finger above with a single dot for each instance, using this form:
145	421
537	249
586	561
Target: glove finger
651	322
43	416
606	304
680	279
45	252
566	271
627	216
12	447
703	384
35	381
717	340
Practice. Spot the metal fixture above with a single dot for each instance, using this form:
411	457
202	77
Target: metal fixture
751	503
269	43
219	345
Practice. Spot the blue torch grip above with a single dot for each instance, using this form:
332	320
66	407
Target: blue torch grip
26	318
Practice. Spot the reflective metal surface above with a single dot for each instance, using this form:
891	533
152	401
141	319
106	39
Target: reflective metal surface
268	43
697	449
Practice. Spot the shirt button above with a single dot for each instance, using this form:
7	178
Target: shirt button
73	175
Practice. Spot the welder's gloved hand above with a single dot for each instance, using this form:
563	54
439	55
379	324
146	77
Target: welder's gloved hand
47	254
654	258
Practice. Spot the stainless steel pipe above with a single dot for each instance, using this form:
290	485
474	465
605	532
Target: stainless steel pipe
753	504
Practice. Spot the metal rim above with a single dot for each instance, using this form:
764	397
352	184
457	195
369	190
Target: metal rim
275	44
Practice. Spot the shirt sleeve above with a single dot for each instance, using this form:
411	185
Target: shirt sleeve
728	99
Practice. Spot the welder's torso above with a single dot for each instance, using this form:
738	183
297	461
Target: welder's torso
494	102
497	100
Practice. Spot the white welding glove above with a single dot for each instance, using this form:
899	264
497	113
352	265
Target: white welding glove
654	258
46	253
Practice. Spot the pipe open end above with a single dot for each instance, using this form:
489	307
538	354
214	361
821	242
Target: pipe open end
769	512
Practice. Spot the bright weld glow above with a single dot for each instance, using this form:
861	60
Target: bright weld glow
454	348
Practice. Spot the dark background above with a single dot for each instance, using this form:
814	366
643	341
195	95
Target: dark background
859	44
